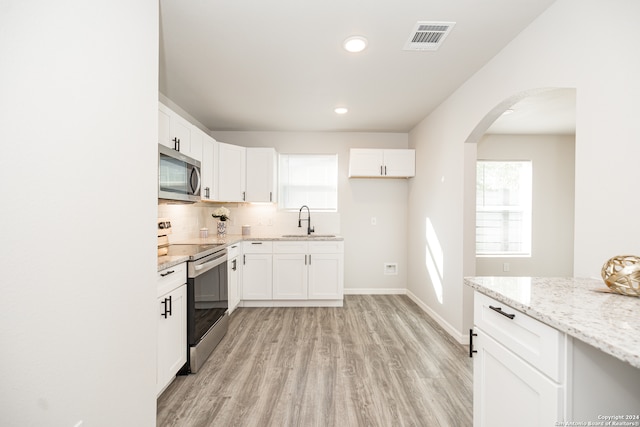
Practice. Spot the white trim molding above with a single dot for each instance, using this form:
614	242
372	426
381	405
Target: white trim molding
459	337
375	291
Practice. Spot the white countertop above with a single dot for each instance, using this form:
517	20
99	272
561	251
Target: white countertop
607	321
229	239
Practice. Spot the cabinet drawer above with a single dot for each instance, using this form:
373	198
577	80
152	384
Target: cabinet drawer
257	247
539	344
290	247
172	277
233	250
330	247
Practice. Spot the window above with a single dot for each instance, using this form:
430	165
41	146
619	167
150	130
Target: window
308	179
503	208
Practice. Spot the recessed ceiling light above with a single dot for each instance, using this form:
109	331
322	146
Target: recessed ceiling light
355	44
508	111
341	110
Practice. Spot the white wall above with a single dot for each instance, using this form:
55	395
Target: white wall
552	160
367	247
558	50
78	114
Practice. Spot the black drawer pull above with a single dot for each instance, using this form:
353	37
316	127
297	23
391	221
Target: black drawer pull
167	273
499	310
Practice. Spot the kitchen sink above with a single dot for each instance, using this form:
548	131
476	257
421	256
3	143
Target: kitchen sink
311	236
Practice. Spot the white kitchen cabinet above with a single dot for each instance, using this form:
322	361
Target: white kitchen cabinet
177	133
290	276
261	169
233	275
231	172
308	270
381	163
209	157
326	276
257	270
172	324
518	369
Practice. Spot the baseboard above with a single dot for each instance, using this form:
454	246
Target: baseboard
455	334
374	291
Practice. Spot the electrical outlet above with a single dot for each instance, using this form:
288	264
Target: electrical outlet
391	269
505	267
374	220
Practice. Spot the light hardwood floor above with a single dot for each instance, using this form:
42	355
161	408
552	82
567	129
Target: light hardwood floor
377	361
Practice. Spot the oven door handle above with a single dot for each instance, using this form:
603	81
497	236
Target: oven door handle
206	266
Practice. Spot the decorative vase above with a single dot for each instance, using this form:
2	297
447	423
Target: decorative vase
222	228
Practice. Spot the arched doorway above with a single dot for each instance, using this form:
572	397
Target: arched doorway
540	129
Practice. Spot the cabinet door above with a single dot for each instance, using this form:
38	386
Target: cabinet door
164	126
194	150
399	163
233	266
209	192
261	175
508	391
172	336
181	130
231	172
326	276
365	162
290	276
257	277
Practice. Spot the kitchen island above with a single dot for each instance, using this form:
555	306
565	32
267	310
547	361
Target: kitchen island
572	348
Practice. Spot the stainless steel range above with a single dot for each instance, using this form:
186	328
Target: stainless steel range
207	299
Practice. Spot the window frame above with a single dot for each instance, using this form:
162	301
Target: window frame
525	208
283	184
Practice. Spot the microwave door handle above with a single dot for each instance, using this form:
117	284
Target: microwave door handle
195	188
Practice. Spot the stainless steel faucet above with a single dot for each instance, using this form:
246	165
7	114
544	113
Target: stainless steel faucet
309	228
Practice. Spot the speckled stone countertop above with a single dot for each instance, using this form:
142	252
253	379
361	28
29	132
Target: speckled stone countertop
230	239
607	321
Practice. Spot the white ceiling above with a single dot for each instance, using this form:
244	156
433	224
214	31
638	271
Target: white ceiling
279	65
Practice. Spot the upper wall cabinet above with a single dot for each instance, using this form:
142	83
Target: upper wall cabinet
177	133
231	173
209	179
379	163
261	174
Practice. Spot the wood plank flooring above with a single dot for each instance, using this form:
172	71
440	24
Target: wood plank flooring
377	361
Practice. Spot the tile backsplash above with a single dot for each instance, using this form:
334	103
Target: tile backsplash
264	219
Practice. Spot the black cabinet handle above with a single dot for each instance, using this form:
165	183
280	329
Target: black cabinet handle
167	307
385	171
176	144
233	265
167	273
170	305
471	350
499	310
244	196
381	170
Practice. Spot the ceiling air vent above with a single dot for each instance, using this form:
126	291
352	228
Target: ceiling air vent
428	35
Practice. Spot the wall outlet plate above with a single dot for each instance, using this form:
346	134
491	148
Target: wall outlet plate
390	268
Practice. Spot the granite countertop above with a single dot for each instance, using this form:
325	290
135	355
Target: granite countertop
230	239
607	321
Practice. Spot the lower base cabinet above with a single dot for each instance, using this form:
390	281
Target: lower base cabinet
507	391
293	273
172	324
172	336
519	368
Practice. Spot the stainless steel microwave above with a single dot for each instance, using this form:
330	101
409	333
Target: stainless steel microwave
178	176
